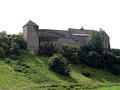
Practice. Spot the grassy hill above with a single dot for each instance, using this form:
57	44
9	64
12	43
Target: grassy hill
33	74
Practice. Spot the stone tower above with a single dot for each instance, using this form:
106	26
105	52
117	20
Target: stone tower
31	36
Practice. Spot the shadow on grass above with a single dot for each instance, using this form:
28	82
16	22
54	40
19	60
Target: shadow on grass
66	78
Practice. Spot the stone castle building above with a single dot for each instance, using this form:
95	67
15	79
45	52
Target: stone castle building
77	37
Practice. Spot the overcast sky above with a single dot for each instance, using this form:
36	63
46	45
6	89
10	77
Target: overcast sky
63	14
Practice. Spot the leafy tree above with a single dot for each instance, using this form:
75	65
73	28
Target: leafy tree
116	51
109	61
70	53
47	49
2	52
18	39
94	42
59	64
14	48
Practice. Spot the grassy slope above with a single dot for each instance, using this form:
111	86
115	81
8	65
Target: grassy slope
44	78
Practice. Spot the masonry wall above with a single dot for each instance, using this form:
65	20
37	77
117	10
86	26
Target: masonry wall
105	40
32	37
79	40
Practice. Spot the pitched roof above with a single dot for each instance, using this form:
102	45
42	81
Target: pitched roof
61	33
30	23
79	31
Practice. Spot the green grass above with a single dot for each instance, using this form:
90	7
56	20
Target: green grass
110	88
39	77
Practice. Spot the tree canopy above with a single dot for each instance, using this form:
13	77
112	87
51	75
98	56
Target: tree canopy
94	42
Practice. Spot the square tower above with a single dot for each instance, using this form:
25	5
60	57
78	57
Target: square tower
31	36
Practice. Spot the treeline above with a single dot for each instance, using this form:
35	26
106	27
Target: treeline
92	54
11	44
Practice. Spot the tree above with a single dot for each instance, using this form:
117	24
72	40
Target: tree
58	64
14	48
116	51
70	53
18	39
94	42
47	49
2	52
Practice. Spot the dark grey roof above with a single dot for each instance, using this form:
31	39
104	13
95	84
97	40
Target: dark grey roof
61	33
30	23
79	31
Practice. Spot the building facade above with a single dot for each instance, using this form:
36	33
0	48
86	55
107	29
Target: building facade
77	37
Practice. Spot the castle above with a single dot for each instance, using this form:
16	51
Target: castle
77	37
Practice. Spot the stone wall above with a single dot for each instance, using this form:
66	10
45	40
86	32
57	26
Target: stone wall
32	37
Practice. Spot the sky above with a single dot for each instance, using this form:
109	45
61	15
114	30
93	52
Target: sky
62	14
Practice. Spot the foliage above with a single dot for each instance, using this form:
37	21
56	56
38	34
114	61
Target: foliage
94	59
94	42
18	39
47	49
112	63
116	51
70	53
14	48
59	64
2	52
17	65
108	61
91	58
86	73
46	79
10	44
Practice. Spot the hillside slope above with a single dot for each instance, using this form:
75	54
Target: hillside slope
38	77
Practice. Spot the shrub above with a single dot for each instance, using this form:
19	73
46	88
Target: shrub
109	61
116	51
7	60
58	64
14	48
86	73
115	70
47	49
17	65
2	52
93	59
70	53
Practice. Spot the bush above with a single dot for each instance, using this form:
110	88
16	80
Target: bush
2	52
116	51
59	64
93	59
14	48
109	61
86	73
19	66
7	60
70	53
47	49
19	40
115	70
